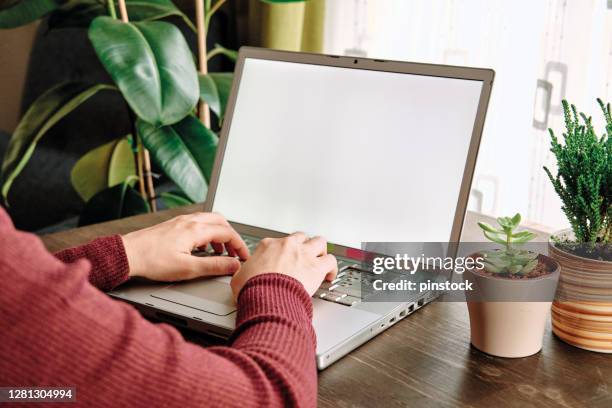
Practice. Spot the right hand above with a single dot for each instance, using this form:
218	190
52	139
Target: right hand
305	259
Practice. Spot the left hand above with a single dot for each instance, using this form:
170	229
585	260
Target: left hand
163	252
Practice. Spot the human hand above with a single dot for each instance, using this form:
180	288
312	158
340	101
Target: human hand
163	252
296	255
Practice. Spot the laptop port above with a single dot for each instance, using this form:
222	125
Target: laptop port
411	308
213	333
402	313
392	320
421	302
171	319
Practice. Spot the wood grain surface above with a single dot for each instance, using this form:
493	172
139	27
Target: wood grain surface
426	359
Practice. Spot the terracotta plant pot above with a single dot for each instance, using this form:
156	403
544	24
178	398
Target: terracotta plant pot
582	313
508	316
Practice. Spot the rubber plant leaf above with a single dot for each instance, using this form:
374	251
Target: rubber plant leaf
43	114
81	13
215	89
209	93
17	13
171	153
103	167
113	203
151	64
174	199
200	141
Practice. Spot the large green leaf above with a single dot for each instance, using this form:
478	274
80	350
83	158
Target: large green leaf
103	167
174	199
151	64
200	141
17	13
172	154
209	93
215	89
81	13
43	114
113	203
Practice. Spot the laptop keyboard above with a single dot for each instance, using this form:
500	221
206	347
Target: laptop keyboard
345	289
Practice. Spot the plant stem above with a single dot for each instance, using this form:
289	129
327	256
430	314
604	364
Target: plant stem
143	168
144	161
508	236
123	11
139	170
203	111
213	53
212	11
149	178
111	8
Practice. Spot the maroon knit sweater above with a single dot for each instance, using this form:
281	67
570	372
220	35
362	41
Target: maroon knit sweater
57	328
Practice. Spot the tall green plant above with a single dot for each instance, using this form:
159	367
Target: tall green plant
153	69
584	175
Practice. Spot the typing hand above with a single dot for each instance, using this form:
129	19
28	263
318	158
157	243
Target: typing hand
163	252
296	255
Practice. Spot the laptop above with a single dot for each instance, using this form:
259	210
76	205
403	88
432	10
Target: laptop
356	150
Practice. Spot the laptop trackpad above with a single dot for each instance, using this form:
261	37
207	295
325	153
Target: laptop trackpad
208	295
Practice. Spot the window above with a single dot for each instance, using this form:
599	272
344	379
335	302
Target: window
542	51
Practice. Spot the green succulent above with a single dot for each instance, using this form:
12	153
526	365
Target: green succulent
584	174
508	260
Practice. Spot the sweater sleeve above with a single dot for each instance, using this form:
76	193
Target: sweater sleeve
58	330
109	264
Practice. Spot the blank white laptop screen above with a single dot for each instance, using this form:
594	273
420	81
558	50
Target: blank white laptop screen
349	154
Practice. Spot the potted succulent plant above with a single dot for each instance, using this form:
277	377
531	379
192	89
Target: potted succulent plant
512	292
582	311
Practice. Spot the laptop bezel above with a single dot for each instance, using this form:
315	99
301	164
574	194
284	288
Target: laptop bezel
446	71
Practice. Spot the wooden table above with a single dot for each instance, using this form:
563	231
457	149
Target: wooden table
426	360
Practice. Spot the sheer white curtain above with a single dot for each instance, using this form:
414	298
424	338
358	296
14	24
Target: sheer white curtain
542	51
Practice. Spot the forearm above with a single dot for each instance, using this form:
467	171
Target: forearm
274	334
109	264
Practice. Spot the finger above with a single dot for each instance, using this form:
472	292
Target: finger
218	219
222	234
218	248
211	266
299	236
329	264
316	246
230	251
